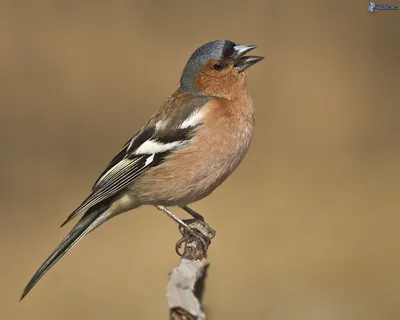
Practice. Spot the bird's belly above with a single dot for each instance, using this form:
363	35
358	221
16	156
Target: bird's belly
187	177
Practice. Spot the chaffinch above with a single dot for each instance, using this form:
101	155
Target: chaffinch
187	149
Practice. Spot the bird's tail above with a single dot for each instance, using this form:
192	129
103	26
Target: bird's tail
90	220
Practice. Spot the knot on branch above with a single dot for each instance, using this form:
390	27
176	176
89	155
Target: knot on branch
196	239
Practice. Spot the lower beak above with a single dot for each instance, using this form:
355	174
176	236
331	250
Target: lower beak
242	62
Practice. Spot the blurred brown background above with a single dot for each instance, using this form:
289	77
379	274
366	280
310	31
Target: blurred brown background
307	228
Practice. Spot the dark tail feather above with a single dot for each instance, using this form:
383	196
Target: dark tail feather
87	222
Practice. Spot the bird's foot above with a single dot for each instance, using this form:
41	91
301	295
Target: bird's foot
197	229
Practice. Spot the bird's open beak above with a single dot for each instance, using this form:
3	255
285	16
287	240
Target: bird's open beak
241	62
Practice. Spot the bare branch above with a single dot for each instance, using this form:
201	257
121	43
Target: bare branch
183	299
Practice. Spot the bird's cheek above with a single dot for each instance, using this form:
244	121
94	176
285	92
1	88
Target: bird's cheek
205	83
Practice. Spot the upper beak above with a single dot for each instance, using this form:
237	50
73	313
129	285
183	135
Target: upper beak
241	63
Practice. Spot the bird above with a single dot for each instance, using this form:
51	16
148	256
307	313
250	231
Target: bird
190	145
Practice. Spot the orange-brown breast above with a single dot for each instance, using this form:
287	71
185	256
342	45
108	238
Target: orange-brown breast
194	172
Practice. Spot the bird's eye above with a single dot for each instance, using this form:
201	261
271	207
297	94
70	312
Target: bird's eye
219	66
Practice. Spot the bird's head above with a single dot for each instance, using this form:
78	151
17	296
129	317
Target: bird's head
216	69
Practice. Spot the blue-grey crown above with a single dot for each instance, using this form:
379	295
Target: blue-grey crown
217	49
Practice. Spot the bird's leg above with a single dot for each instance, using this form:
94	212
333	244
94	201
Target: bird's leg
174	217
193	213
186	230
